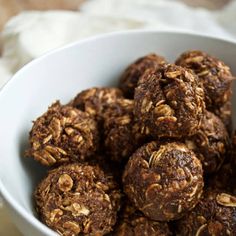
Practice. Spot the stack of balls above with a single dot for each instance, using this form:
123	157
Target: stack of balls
153	157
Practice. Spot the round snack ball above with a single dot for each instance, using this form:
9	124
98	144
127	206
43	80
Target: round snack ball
224	179
95	100
129	79
214	216
63	134
133	223
225	114
164	181
78	199
169	102
210	143
215	76
122	133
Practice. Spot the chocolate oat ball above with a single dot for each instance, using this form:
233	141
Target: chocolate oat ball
214	216
63	134
95	100
215	76
169	102
122	133
225	114
78	199
210	143
163	180
133	223
130	78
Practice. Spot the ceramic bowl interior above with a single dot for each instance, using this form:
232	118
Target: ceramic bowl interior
61	74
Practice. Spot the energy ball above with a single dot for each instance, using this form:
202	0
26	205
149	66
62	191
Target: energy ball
225	114
224	179
63	134
78	199
164	181
129	79
210	143
214	215
215	76
122	133
133	223
169	102
95	100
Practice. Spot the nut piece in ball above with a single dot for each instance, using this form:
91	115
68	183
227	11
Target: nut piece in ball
95	100
169	102
133	223
164	181
78	199
215	76
210	143
63	134
214	216
121	132
129	79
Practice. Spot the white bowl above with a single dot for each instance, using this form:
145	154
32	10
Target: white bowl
61	74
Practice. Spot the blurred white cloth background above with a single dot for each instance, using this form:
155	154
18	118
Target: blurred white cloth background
31	34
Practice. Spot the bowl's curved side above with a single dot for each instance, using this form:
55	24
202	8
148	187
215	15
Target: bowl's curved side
60	74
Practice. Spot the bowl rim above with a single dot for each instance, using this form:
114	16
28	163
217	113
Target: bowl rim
7	197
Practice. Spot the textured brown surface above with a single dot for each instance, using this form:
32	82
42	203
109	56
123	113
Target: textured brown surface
122	133
225	114
133	223
63	134
210	143
96	100
78	199
164	181
130	77
213	216
169	102
212	73
224	179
